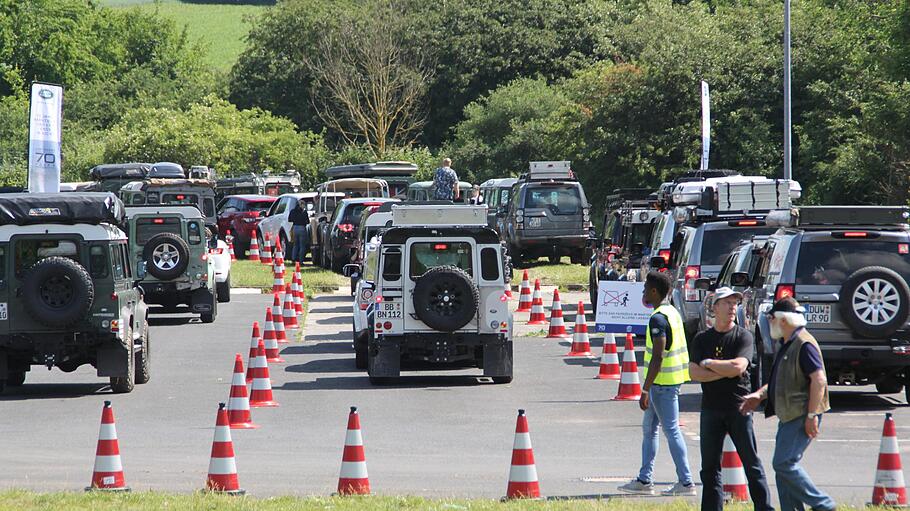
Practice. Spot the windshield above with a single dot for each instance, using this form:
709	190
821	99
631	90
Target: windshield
718	243
559	199
430	255
831	262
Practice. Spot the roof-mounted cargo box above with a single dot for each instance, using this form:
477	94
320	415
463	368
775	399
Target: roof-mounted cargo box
378	169
826	217
167	170
120	170
737	195
421	214
549	171
60	208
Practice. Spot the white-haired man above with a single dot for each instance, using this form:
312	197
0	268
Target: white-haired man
797	393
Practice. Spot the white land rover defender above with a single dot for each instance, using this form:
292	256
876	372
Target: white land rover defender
439	295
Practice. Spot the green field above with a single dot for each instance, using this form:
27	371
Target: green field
564	275
258	275
220	28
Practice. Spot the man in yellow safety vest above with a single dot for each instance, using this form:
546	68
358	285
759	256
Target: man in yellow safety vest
667	360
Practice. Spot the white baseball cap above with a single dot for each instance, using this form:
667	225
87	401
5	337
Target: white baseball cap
725	292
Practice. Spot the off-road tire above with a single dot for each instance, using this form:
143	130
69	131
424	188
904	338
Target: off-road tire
866	278
224	290
126	384
58	291
170	244
890	385
15	379
143	359
445	298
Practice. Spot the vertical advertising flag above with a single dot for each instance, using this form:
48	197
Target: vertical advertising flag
45	126
705	125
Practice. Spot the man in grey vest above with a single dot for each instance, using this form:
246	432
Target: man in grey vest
797	393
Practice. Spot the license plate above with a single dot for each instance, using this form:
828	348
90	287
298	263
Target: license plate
389	310
534	221
818	313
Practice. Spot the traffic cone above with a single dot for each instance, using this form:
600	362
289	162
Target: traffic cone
239	403
524	295
523	482
277	281
629	386
108	472
269	340
353	479
557	325
538	316
222	476
267	251
230	244
254	350
288	311
581	345
889	489
609	362
732	475
297	287
509	294
254	248
261	389
278	318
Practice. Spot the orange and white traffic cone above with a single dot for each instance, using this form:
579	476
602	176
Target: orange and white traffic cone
609	361
254	248
288	312
230	244
629	385
267	250
889	487
261	388
297	287
557	325
278	319
239	402
538	316
108	472
581	345
353	479
732	475
509	294
222	476
277	281
523	483
524	294
255	338
269	340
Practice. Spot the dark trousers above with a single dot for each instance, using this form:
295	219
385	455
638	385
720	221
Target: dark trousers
715	425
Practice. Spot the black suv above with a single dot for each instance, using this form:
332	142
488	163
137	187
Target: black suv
340	232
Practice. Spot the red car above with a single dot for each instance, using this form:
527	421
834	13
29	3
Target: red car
241	214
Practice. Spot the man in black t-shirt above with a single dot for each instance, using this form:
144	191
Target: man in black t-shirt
721	357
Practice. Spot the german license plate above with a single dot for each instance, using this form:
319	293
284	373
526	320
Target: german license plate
818	313
389	310
534	221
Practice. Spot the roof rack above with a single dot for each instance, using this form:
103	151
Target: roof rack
377	169
826	217
549	171
734	196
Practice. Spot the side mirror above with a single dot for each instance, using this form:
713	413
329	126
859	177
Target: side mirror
213	241
638	249
703	284
658	263
740	279
351	270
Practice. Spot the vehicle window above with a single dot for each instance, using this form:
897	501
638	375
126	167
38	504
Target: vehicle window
128	269
30	251
194	233
428	255
257	205
489	263
208	207
491	198
97	259
2	266
640	234
559	199
504	196
352	214
281	206
610	227
831	262
180	199
658	233
146	228
717	244
117	262
727	269
682	247
391	266
369	265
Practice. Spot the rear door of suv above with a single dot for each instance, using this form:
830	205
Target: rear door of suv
554	209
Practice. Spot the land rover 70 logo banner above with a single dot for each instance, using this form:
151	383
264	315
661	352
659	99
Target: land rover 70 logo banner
44	129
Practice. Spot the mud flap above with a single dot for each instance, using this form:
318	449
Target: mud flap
114	360
497	358
202	300
384	358
4	369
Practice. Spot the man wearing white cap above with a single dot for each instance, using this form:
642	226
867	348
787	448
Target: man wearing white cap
721	358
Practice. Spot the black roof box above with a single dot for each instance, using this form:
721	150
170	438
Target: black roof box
117	170
167	170
377	170
882	216
60	208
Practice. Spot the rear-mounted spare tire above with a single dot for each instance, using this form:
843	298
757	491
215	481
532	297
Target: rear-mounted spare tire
166	256
875	302
445	298
57	291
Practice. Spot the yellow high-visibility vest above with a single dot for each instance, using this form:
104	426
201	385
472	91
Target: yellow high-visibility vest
674	369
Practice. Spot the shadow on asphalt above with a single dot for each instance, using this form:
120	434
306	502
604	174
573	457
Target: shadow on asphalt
171	321
863	401
53	391
340	309
338	320
322	347
322	299
340	336
405	382
581	362
326	365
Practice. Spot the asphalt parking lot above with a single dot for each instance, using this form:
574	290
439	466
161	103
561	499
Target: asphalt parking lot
432	434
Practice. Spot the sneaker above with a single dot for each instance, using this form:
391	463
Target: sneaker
680	490
638	487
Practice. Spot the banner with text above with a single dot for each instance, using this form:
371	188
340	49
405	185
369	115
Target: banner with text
620	308
45	126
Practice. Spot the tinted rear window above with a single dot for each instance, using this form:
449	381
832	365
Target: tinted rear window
180	199
831	262
559	199
352	214
146	228
257	205
718	243
430	255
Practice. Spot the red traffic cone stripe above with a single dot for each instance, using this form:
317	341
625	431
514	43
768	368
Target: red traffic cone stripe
278	319
353	479
289	314
270	340
222	467
261	389
254	350
609	361
629	385
239	402
523	481
254	248
889	487
524	295
732	475
107	473
538	316
581	345
266	256
557	325
298	292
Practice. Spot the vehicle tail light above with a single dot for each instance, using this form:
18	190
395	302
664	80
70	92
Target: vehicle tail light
519	216
372	204
903	248
504	298
378	298
205	257
387	325
114	295
854	234
784	291
115	325
665	254
440	246
158	221
181	197
692	273
745	223
585	214
378	325
346	227
363	306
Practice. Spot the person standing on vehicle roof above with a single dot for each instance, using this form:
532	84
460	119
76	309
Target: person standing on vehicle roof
721	358
300	219
797	393
445	182
667	358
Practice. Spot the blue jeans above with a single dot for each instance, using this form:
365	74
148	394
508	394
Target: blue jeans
715	426
794	488
301	243
663	410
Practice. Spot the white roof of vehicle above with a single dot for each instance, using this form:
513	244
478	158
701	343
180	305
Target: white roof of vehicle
301	195
378	218
439	216
184	211
100	232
